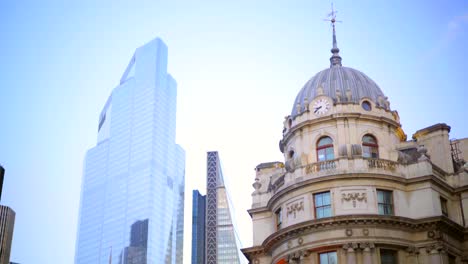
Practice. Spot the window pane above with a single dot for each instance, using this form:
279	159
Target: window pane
321	155
388	197
388	256
369	139
318	200
327	211
380	196
324	141
324	258
332	259
328	258
381	209
330	154
319	212
326	198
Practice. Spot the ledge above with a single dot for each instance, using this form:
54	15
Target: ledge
438	223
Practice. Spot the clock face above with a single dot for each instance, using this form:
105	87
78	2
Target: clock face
321	106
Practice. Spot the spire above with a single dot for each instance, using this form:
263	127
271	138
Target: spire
335	59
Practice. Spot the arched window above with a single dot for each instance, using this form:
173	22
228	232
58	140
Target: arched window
325	149
370	148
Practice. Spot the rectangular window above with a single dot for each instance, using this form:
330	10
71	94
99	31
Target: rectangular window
388	256
385	201
278	219
328	258
443	206
322	204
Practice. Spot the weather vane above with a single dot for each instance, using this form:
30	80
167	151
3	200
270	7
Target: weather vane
335	59
332	16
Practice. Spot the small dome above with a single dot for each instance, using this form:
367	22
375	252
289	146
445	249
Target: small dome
338	81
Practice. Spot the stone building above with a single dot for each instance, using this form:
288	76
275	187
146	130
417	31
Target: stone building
353	188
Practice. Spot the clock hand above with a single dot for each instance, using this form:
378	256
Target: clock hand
316	109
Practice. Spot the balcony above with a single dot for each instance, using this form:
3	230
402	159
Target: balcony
345	166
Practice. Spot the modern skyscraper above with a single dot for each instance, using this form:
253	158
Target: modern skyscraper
133	181
198	227
7	223
221	242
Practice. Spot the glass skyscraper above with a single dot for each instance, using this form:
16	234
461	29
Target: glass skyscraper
198	227
220	240
132	198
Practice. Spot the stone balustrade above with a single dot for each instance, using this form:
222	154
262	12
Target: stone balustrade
342	166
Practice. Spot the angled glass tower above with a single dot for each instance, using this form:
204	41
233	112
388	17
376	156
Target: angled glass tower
222	244
132	197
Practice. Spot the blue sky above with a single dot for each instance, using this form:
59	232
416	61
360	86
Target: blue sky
238	64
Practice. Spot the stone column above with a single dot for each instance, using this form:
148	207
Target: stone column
367	248
412	257
435	253
350	253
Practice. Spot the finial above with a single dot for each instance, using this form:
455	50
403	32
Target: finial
335	59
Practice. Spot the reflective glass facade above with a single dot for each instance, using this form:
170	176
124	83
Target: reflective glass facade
222	241
198	228
131	208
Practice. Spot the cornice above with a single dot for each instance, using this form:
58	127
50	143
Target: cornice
252	251
433	224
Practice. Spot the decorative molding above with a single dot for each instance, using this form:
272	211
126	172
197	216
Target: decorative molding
274	186
295	208
356	196
376	221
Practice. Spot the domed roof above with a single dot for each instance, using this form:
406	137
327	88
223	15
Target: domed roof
343	84
337	82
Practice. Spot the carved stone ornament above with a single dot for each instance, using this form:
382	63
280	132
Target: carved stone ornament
365	232
338	96
350	247
319	90
300	241
366	245
436	248
290	243
294	208
354	197
257	185
348	95
349	232
412	250
434	234
297	256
